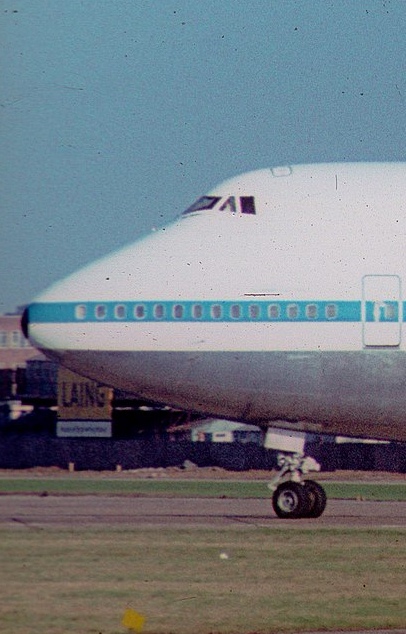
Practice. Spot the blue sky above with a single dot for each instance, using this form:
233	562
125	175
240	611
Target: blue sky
117	114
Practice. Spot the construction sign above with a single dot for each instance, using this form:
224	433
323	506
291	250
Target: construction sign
80	398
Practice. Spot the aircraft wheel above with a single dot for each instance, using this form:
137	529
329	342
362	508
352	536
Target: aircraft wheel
290	500
317	498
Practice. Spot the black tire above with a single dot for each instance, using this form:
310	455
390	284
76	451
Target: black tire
317	498
290	500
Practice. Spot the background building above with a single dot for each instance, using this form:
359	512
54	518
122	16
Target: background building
15	352
15	349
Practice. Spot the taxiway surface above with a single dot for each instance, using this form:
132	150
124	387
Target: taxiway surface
136	512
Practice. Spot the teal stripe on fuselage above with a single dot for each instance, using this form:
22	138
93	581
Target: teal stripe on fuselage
212	311
203	311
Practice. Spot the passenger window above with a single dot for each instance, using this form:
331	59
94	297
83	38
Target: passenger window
331	311
274	311
235	311
254	311
159	311
120	311
101	311
197	311
80	311
216	311
139	311
311	311
178	311
293	311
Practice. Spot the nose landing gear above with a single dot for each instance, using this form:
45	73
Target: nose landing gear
292	496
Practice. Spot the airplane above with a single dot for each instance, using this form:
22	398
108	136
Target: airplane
275	299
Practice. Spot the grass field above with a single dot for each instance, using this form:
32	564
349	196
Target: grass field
189	488
81	582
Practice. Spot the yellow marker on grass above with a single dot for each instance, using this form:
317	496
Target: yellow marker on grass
133	620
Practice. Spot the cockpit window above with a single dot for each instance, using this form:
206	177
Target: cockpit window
202	204
233	204
247	204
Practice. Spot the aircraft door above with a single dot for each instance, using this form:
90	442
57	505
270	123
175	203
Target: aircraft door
381	310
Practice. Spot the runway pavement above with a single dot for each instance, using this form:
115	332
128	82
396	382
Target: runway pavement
136	512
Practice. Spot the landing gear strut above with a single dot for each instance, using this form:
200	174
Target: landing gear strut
293	497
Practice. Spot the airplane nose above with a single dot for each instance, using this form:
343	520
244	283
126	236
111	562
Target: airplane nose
25	322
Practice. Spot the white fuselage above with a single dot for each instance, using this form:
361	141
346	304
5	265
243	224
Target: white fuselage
276	297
